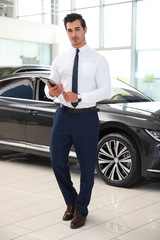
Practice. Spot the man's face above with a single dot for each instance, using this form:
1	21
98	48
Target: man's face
76	33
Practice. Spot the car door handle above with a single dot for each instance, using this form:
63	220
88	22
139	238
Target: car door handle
33	112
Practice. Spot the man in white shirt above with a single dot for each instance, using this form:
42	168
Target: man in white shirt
82	78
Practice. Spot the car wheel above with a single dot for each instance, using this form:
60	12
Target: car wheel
118	160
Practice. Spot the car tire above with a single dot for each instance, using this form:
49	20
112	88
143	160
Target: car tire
118	161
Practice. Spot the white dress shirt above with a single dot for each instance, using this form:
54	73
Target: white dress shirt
93	76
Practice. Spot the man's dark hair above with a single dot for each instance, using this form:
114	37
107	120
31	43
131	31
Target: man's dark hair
73	17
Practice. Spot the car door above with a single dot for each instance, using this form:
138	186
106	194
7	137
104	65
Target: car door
40	112
14	94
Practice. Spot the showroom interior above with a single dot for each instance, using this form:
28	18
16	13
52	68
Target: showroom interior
121	30
126	33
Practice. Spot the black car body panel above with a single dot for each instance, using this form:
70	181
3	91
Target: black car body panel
133	119
26	118
10	70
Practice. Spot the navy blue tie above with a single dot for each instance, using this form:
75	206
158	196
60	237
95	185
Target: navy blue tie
75	76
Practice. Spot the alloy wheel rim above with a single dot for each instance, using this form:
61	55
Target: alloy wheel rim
114	160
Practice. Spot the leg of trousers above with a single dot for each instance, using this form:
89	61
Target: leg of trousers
82	130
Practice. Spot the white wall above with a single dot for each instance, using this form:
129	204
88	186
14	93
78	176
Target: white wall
16	29
29	39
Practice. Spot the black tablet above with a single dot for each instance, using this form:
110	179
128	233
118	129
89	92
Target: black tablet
45	80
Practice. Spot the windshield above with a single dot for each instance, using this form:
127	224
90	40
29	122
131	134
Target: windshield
122	92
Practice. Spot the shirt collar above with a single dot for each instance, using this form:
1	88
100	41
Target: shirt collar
82	49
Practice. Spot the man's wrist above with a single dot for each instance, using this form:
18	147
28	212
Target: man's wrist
51	94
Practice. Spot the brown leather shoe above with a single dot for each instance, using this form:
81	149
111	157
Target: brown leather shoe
69	213
78	220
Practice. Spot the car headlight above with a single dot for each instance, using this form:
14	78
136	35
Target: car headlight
154	134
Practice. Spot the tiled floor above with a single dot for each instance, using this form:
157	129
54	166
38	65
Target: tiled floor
31	206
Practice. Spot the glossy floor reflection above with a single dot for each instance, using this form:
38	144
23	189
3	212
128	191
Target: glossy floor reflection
31	205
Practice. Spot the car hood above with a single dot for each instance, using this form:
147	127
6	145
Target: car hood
151	109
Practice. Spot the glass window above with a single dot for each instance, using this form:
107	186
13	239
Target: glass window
122	92
62	16
64	5
43	11
148	19
44	53
46	11
91	16
5	71
15	52
62	37
148	74
117	25
41	93
11	51
17	88
115	1
46	6
30	10
88	3
119	62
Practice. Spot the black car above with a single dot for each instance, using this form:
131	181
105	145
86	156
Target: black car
129	136
10	70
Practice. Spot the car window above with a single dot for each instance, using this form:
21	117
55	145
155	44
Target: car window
122	92
17	88
5	71
41	93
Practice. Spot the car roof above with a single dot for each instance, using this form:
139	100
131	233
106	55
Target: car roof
10	70
32	74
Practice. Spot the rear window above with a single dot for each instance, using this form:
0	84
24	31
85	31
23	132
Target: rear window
5	71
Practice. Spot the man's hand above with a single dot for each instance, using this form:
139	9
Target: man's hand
56	90
70	97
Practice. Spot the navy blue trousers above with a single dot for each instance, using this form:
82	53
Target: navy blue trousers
82	130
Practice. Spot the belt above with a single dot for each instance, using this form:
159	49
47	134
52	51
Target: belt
80	110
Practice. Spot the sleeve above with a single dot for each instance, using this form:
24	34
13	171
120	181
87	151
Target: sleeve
103	82
55	76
